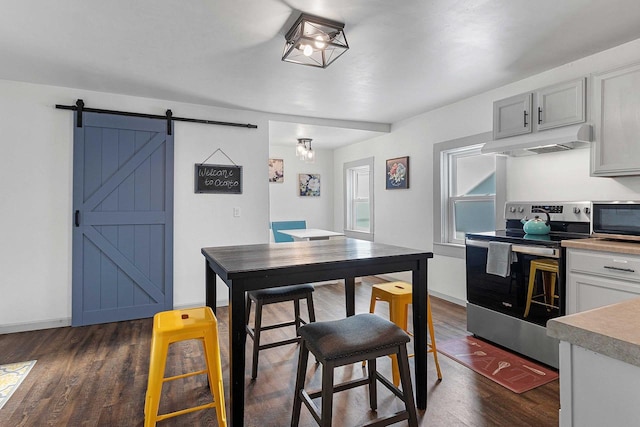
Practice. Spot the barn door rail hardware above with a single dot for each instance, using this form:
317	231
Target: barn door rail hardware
79	108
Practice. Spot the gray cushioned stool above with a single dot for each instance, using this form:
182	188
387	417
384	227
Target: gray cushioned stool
271	296
342	342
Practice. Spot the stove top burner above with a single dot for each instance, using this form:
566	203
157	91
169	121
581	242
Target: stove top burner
519	236
569	220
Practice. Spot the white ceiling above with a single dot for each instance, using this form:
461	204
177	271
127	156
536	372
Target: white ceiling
406	56
325	137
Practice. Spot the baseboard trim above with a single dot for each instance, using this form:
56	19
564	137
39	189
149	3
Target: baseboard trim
35	326
63	322
448	298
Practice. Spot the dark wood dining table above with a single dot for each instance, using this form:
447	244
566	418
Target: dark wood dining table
251	267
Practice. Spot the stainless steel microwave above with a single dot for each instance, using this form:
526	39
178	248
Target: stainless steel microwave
616	220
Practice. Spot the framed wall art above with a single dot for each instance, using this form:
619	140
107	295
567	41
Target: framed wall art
276	170
309	184
397	176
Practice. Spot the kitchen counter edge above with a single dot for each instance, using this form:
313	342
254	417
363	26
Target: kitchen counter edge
611	330
603	245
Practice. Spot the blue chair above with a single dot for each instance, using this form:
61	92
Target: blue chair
276	226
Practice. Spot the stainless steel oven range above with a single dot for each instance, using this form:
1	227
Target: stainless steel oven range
496	301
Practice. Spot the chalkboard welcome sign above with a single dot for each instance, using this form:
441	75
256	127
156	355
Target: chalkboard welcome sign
218	179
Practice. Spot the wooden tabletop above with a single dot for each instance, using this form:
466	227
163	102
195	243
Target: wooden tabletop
236	261
252	267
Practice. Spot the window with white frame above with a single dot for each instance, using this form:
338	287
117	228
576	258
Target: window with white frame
358	191
470	191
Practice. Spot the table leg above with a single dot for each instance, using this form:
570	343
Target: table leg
420	292
210	286
350	295
237	341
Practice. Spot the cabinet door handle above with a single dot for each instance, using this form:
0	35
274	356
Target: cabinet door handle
525	118
77	218
628	270
539	115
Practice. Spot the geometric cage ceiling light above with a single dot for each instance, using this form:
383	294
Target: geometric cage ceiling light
314	41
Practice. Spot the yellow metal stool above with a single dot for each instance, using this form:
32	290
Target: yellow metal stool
549	269
180	325
399	296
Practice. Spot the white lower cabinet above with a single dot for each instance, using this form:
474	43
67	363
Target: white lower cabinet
596	390
596	279
599	354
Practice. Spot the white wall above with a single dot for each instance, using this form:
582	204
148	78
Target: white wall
36	196
404	217
565	176
284	201
35	250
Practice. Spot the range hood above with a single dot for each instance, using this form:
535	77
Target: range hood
545	141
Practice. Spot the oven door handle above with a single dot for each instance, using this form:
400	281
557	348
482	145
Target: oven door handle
521	249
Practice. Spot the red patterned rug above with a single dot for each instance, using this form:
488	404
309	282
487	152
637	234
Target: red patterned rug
507	369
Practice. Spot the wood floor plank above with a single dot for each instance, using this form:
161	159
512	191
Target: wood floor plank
97	376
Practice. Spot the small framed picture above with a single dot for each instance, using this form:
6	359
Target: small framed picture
276	170
309	184
397	173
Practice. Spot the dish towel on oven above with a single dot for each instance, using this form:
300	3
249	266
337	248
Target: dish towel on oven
499	258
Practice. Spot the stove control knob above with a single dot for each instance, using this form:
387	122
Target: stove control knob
512	209
576	210
587	210
520	209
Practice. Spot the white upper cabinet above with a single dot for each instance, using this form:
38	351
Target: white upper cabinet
553	106
512	116
561	105
616	117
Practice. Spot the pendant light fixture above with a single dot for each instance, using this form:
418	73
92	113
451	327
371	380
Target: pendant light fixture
304	151
301	148
314	41
311	155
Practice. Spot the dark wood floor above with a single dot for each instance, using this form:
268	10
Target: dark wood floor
97	376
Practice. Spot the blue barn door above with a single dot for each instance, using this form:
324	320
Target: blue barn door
123	219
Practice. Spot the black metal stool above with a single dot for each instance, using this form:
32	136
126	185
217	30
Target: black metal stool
271	296
342	342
